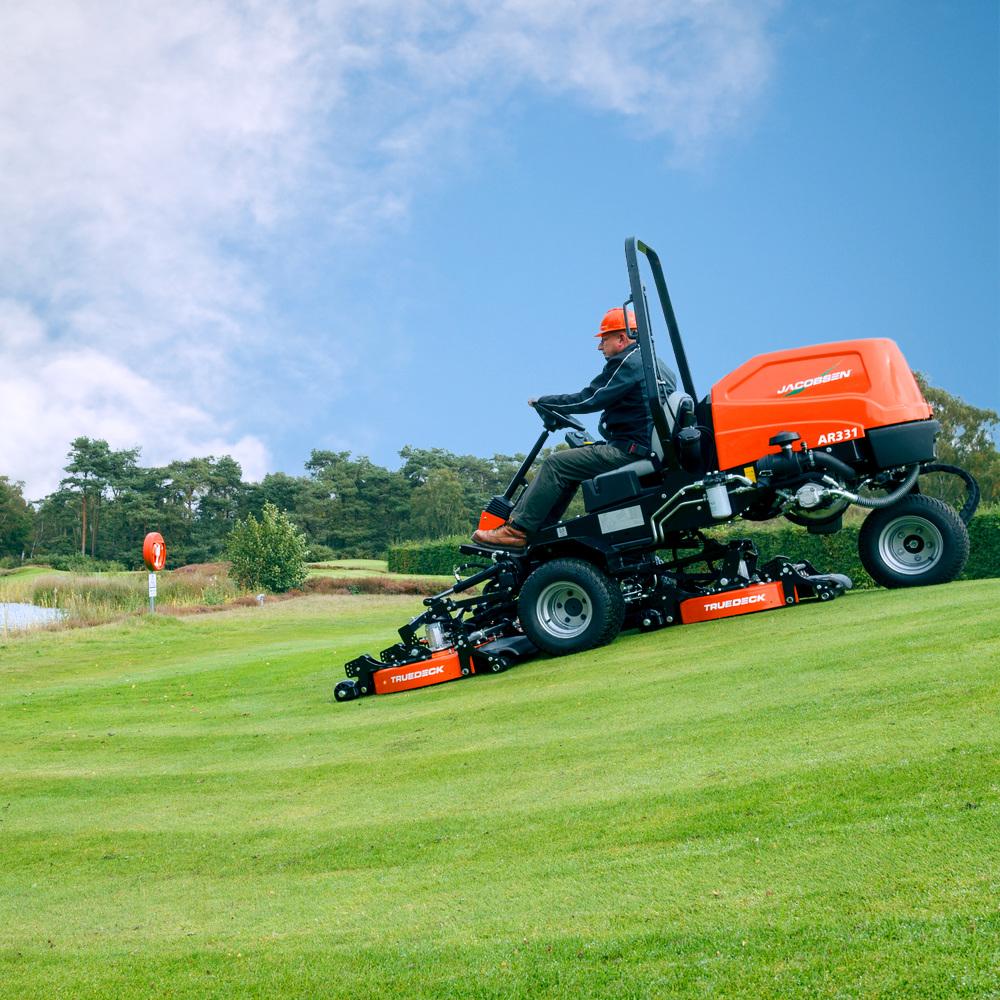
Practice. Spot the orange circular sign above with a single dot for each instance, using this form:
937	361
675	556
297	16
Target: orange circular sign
154	551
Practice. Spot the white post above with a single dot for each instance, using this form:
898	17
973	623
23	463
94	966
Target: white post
152	593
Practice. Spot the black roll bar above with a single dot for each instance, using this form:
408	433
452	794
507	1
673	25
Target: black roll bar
644	333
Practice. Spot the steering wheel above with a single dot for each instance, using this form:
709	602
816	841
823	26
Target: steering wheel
553	421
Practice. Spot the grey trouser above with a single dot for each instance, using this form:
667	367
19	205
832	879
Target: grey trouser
556	481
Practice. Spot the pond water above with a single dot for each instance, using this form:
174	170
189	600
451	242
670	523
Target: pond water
19	616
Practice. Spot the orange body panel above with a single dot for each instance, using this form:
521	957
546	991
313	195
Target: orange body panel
827	393
733	602
441	667
488	521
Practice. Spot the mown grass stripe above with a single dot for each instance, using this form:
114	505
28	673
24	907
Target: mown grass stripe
790	805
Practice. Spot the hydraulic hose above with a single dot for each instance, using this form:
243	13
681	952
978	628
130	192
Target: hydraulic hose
972	487
878	502
833	465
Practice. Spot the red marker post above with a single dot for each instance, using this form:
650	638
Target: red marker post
154	555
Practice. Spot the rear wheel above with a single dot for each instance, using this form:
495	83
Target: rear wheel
569	605
915	542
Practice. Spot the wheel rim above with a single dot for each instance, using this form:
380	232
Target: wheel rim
910	545
564	610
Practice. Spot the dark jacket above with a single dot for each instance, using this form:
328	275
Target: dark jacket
620	391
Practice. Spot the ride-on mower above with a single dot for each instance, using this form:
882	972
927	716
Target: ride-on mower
800	434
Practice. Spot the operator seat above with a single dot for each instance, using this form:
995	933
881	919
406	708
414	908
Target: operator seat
677	405
610	488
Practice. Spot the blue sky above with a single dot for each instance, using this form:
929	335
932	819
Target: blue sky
356	226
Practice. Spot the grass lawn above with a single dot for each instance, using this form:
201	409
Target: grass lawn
23	573
803	804
357	569
349	567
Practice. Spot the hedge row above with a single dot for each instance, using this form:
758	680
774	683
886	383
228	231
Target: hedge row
839	553
441	556
828	553
984	545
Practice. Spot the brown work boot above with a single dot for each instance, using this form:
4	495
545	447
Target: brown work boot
507	536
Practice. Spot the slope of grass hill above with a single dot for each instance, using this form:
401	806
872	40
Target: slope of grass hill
802	803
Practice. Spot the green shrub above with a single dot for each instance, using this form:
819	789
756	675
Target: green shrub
268	554
84	564
317	553
214	595
440	556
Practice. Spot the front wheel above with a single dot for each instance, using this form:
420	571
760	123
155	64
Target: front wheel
569	605
915	542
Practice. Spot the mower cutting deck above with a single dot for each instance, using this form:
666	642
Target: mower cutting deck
455	639
639	556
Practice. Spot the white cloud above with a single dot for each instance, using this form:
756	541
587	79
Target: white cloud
49	397
148	151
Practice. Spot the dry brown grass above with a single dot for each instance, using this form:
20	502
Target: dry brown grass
209	569
197	589
246	601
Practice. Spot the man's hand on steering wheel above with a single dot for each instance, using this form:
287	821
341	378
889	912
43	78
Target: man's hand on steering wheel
552	420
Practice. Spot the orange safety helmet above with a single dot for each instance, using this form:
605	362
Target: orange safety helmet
614	321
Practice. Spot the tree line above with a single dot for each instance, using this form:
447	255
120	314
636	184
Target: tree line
346	506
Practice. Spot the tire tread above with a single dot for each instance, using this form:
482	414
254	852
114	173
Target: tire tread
596	581
953	532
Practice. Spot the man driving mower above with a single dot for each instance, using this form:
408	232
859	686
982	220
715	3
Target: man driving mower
626	426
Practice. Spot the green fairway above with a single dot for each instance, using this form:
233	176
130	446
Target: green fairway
349	567
13	577
376	569
803	803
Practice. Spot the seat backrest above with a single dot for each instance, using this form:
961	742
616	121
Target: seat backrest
676	402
